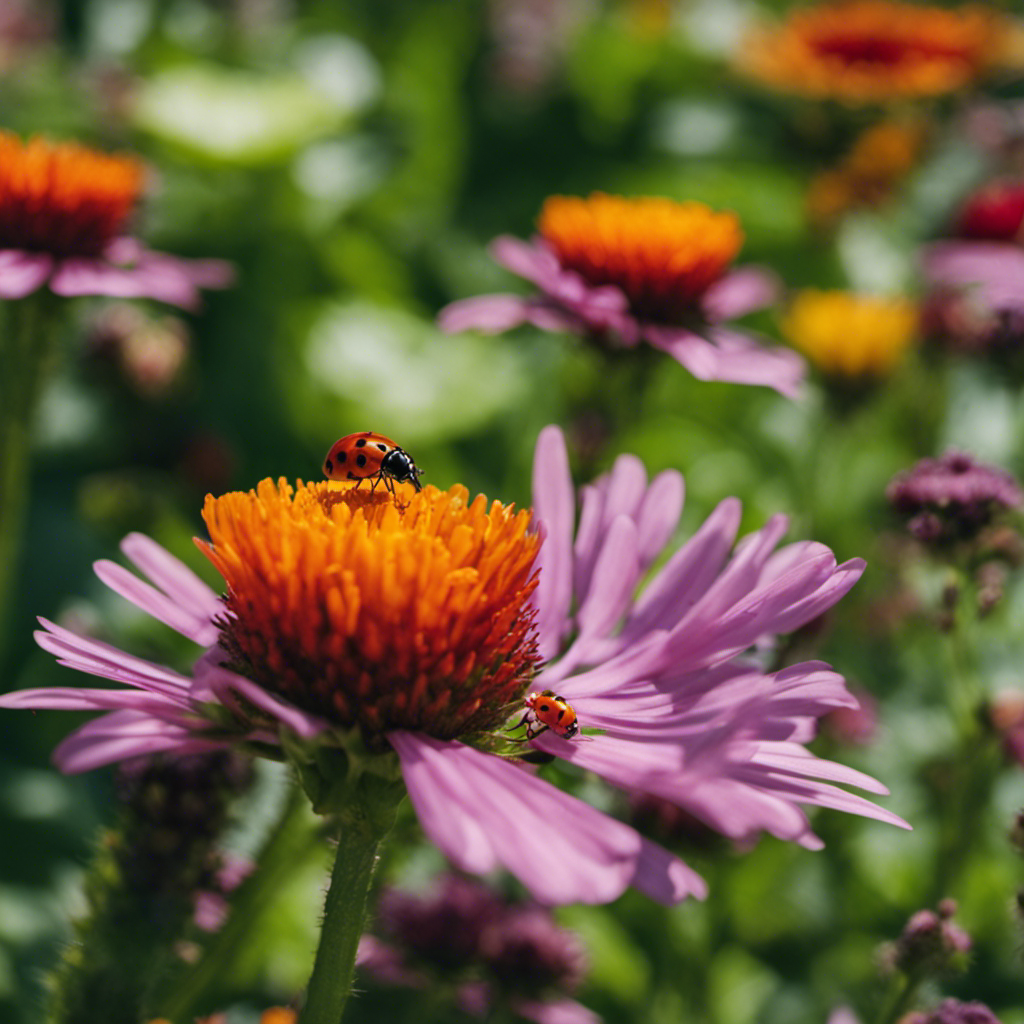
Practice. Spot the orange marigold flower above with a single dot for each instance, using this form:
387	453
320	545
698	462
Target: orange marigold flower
872	51
375	614
662	254
62	198
848	335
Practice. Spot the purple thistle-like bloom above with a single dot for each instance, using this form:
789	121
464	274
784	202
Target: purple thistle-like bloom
463	933
684	712
952	497
623	271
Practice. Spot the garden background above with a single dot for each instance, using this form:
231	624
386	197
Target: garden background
353	161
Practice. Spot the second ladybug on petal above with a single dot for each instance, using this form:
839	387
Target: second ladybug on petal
546	710
370	456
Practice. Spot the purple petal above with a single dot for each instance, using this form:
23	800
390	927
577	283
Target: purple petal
514	818
535	263
79	698
223	683
994	270
745	290
610	589
556	1011
731	356
121	735
618	493
666	879
554	507
22	273
685	577
491	314
659	512
156	603
100	659
174	578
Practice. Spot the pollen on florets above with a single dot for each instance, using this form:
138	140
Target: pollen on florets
62	198
376	611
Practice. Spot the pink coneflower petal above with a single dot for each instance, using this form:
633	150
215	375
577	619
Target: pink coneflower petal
554	507
154	602
490	314
223	684
102	659
688	573
557	1011
482	811
79	698
120	735
731	356
993	271
79	276
22	273
174	578
610	587
740	292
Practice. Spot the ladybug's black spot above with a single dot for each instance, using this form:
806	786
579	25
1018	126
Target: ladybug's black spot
341	458
361	443
382	447
328	467
352	475
360	460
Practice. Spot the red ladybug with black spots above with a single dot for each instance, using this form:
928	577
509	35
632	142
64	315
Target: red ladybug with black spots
370	456
546	710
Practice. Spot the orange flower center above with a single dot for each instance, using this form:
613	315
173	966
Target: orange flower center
875	50
376	613
63	199
662	254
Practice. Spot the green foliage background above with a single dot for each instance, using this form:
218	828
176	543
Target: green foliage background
353	160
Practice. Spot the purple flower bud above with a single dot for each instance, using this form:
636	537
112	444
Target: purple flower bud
952	1011
952	497
930	942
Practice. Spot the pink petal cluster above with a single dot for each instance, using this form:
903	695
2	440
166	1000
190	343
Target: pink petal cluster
566	302
686	712
125	270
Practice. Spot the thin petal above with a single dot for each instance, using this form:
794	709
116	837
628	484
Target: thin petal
491	314
121	735
555	508
102	659
745	290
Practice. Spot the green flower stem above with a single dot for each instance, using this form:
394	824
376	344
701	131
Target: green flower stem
344	915
975	761
289	843
899	997
27	337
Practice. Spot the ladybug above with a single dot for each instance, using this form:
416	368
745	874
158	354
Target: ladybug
370	456
546	710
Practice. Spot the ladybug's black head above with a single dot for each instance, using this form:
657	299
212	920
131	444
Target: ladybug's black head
398	465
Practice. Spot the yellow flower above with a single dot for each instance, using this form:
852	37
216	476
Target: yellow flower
874	51
378	612
848	335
